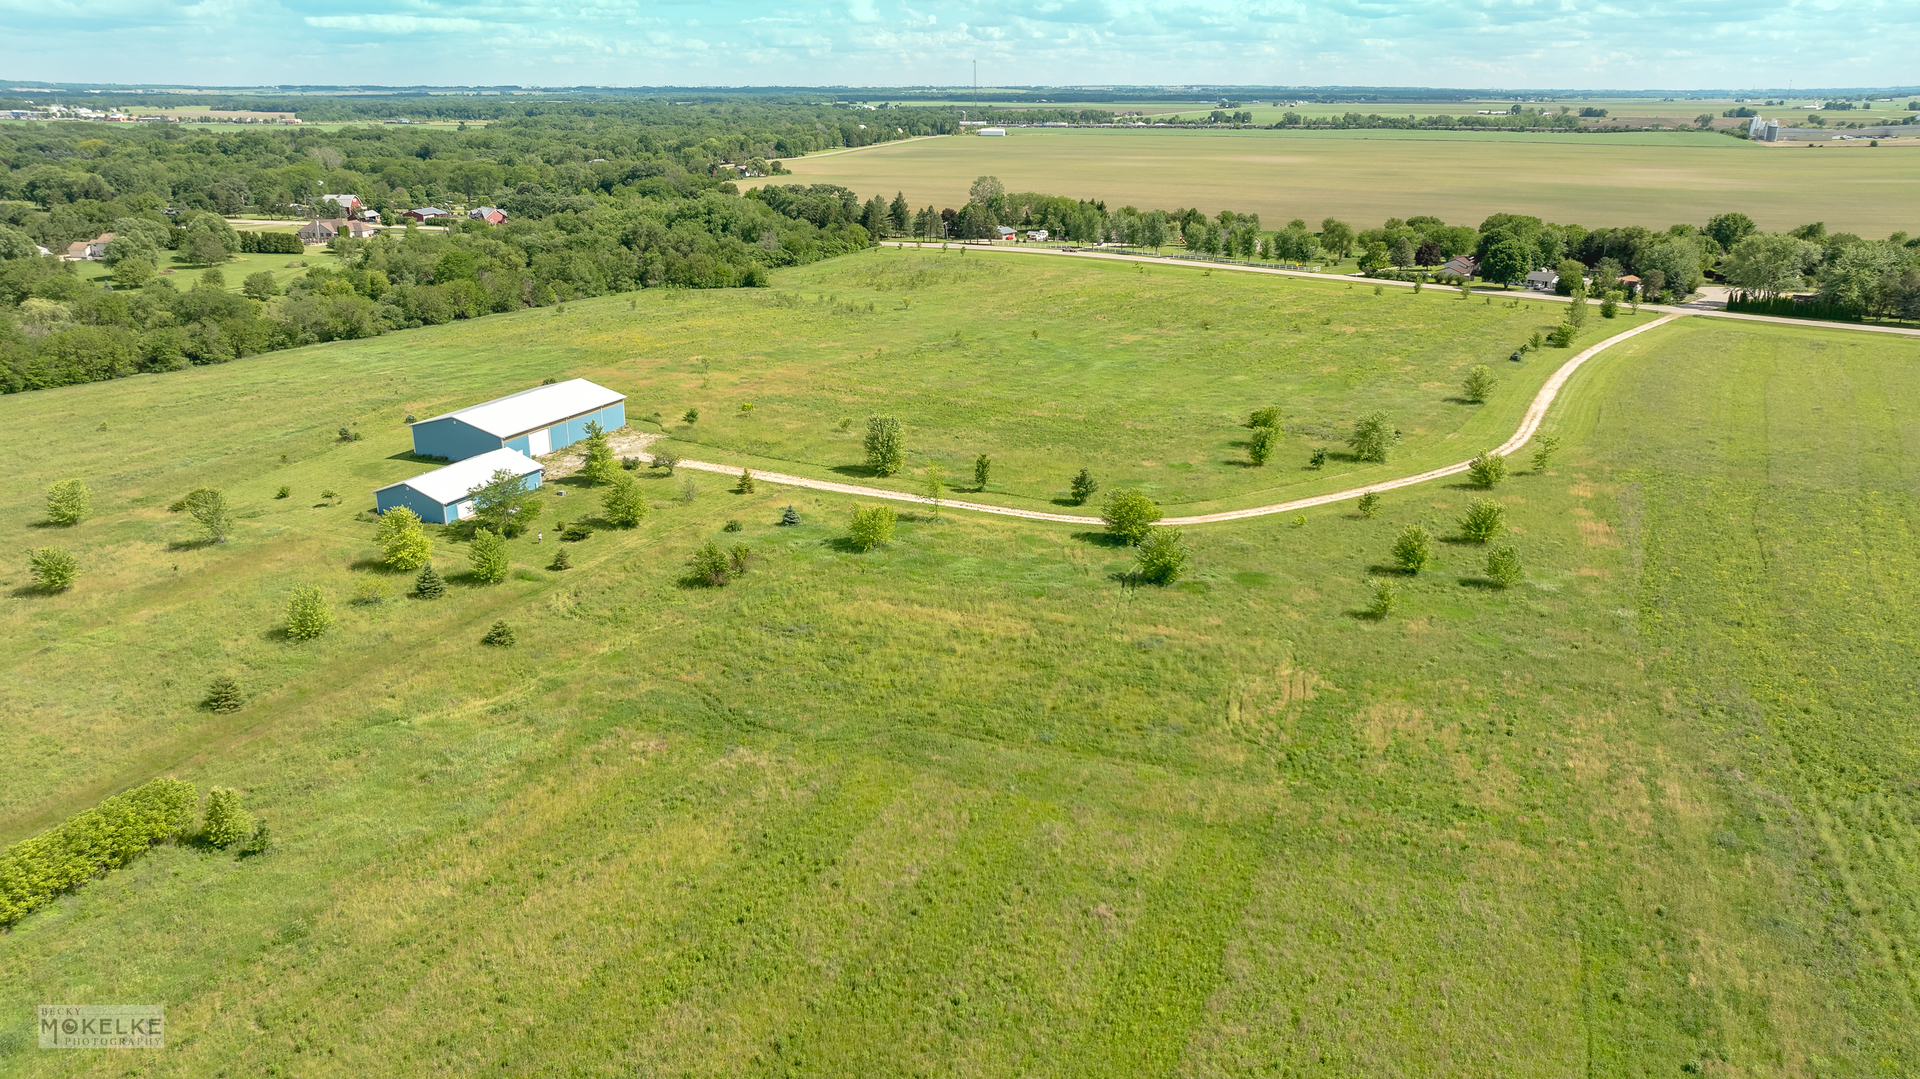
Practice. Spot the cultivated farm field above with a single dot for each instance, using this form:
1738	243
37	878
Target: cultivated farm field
1654	179
969	803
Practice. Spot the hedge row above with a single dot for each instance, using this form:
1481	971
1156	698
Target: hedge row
1787	307
35	871
271	243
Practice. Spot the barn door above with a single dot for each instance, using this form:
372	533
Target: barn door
464	509
540	442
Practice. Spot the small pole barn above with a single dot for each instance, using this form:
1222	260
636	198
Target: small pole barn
535	422
440	496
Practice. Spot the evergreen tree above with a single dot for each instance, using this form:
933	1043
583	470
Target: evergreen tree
1479	383
429	584
899	212
224	695
561	560
600	467
789	517
745	486
1082	487
225	822
501	635
68	502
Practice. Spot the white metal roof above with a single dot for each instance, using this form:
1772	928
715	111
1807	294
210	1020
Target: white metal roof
530	410
451	484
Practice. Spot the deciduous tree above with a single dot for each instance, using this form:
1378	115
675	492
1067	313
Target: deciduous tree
1161	556
1413	549
1373	437
68	502
886	449
870	526
487	557
1129	513
308	614
403	543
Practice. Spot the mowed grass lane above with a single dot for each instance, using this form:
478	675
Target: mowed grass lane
966	804
1365	177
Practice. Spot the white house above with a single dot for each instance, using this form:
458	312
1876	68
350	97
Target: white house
1543	280
1037	234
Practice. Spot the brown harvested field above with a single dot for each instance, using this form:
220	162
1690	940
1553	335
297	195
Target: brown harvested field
1367	176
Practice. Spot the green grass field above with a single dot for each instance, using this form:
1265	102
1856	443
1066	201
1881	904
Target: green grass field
967	804
1365	177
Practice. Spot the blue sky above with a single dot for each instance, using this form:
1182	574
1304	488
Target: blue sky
1677	44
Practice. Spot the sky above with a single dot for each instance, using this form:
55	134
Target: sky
1519	44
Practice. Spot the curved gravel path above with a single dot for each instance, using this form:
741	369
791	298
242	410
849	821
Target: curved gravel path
1529	424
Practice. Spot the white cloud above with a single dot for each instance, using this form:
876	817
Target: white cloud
398	24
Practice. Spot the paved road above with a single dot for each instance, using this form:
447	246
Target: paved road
1529	424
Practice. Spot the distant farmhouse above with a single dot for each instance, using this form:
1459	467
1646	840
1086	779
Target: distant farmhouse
88	250
427	213
534	422
319	232
492	215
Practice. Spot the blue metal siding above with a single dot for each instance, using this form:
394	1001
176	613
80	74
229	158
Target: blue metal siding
453	439
566	433
520	444
430	511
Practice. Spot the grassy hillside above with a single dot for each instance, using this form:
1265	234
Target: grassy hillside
966	804
1365	177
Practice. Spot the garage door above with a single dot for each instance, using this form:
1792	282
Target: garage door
540	442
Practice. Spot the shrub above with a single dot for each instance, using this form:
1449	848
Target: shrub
709	565
732	526
1563	335
624	504
664	458
1503	566
1479	383
500	636
1129	514
870	526
1577	310
329	494
54	569
689	490
1268	416
576	532
1386	597
561	560
1610	305
283	492
308	615
209	509
487	556
1413	549
1483	520
1373	437
1162	556
982	468
886	451
1260	446
691	415
789	517
1318	461
429	584
1082	487
260	842
1543	450
1534	342
745	486
261	286
1369	504
372	593
631	464
33	872
223	696
225	822
1487	469
737	558
68	502
403	543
